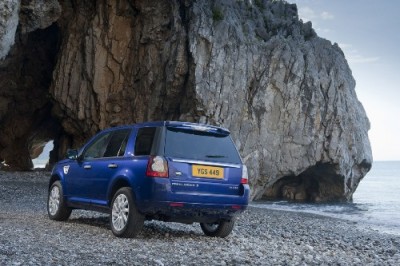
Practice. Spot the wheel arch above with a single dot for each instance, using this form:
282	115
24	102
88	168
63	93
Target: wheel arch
119	182
54	178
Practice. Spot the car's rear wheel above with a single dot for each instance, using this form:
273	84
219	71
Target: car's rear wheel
218	229
125	219
56	207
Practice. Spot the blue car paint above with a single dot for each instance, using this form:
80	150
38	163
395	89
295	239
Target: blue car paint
89	188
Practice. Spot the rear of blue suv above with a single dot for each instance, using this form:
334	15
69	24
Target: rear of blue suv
169	171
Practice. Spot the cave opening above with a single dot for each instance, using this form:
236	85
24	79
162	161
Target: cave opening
27	123
318	183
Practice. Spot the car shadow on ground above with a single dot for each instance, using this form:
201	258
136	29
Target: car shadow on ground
101	222
162	229
151	229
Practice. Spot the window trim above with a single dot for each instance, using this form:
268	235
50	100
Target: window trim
97	137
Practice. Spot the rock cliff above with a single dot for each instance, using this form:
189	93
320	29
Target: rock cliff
286	94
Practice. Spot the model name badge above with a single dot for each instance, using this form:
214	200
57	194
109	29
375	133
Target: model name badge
184	184
66	168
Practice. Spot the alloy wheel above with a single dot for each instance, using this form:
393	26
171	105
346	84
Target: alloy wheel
54	200
120	212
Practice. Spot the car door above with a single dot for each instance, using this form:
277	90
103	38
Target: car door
81	173
105	168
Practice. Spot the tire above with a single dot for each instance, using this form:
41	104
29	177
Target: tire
218	229
125	219
56	207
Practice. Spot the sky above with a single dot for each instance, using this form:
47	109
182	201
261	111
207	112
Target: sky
368	31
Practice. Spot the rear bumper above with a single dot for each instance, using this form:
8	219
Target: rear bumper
160	202
190	212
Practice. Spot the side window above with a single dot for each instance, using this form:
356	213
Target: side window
97	148
117	144
144	140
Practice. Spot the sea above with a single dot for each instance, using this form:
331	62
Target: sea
375	205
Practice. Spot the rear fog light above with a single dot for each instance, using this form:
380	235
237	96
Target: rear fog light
176	204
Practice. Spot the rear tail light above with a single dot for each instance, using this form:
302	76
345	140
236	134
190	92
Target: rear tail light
157	167
245	176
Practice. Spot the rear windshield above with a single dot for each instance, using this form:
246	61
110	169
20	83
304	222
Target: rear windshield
198	145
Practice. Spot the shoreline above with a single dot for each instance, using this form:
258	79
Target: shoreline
364	223
260	236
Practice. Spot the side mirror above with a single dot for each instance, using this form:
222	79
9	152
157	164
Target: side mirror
72	154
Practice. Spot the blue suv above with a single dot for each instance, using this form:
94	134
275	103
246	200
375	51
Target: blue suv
168	171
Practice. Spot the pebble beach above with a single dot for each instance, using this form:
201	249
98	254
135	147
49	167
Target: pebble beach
260	237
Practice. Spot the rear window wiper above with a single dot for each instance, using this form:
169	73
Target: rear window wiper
215	156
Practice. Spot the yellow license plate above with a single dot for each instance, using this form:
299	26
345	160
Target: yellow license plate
207	171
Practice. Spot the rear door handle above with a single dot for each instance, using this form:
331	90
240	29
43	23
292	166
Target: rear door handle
112	165
87	166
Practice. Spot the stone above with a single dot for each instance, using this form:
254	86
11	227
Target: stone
286	94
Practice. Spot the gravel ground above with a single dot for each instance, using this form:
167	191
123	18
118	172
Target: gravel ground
261	237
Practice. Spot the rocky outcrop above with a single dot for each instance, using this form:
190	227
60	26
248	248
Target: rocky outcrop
286	94
251	66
